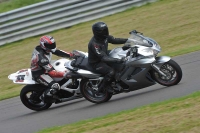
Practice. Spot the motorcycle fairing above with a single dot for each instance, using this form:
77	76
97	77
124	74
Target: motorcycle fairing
140	61
88	74
23	76
118	53
137	77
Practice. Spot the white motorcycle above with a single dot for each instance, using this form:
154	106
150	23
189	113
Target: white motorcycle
31	93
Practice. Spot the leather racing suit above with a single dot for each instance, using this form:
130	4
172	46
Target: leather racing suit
42	70
98	56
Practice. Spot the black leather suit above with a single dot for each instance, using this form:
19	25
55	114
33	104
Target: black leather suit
98	55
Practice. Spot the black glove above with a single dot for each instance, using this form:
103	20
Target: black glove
74	55
127	46
123	59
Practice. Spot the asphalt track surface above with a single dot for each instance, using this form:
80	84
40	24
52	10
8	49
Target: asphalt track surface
16	118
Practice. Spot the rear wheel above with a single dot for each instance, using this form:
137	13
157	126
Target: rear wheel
30	97
173	74
88	91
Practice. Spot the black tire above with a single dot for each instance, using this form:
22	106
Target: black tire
33	102
88	93
173	72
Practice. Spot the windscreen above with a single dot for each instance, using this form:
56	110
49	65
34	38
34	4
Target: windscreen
136	39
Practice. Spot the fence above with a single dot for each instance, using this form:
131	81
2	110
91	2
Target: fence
52	15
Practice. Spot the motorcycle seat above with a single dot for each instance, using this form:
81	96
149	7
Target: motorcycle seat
83	64
86	66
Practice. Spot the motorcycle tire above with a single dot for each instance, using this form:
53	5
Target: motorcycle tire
88	94
170	68
30	97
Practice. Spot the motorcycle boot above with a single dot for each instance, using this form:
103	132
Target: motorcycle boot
106	83
49	94
54	88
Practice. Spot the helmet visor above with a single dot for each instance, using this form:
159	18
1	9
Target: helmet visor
50	46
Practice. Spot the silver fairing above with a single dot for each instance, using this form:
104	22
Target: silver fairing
88	74
84	73
136	74
118	53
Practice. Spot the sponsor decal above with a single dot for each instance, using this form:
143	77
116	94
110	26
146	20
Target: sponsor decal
44	60
97	49
20	78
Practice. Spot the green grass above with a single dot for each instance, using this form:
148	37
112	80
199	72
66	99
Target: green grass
179	115
174	24
14	4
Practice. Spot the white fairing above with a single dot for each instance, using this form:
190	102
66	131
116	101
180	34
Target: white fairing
24	76
59	65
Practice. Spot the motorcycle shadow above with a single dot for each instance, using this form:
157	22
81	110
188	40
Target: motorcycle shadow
61	105
126	96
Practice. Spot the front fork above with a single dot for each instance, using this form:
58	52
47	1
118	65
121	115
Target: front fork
159	62
157	69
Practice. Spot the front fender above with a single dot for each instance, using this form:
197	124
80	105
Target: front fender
161	60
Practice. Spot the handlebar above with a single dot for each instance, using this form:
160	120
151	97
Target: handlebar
133	52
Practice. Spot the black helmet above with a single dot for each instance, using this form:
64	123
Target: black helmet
100	30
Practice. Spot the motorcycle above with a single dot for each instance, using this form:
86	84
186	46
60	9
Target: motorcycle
31	93
142	68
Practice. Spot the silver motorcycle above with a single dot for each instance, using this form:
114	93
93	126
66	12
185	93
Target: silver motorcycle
141	69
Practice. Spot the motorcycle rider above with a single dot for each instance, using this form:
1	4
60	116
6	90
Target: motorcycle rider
42	71
98	52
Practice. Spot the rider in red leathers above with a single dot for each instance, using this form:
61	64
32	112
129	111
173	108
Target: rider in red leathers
42	71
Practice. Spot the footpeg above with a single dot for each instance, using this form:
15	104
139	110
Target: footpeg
119	88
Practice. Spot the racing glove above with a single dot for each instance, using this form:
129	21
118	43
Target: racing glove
122	60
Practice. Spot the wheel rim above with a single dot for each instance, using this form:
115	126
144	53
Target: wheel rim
171	74
33	99
90	92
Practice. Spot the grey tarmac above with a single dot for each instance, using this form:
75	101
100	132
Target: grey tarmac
16	118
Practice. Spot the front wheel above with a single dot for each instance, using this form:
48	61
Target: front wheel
30	97
173	74
88	92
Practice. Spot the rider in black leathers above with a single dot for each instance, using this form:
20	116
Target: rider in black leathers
98	52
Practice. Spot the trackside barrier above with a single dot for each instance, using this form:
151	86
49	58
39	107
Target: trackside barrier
52	15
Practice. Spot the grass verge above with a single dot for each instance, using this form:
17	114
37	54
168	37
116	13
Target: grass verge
172	23
9	5
179	115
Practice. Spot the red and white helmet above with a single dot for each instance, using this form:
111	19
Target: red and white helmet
48	43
